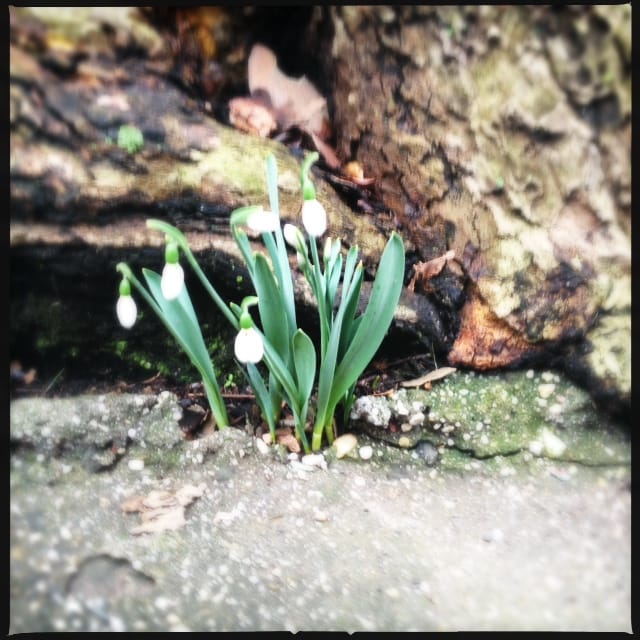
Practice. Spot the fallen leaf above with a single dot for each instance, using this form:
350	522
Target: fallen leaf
167	520
485	341
161	510
280	102
252	116
296	101
424	271
326	151
286	438
436	374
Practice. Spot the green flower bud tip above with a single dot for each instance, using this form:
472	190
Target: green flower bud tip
125	287
246	322
171	253
308	190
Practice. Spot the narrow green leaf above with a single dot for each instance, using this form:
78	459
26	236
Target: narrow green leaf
272	183
263	397
271	307
333	280
280	371
180	319
304	357
375	320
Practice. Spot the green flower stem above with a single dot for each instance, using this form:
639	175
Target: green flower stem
319	291
275	365
308	190
179	238
216	402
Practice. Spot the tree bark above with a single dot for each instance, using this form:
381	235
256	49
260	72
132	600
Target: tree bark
503	133
477	124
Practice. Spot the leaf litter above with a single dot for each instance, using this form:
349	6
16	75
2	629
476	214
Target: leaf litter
162	510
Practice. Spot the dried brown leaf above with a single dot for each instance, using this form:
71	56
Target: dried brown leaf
326	151
436	374
166	520
286	438
424	271
295	101
161	510
252	116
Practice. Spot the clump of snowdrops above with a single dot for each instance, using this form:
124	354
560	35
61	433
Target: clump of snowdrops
283	366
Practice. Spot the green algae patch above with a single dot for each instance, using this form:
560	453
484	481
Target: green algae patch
541	413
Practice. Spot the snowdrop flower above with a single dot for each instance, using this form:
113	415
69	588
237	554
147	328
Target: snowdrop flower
314	218
291	234
172	274
295	239
126	309
263	221
248	345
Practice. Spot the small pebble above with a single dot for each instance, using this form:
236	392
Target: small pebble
536	447
314	460
344	444
136	464
553	446
261	446
365	452
427	452
495	535
545	390
416	419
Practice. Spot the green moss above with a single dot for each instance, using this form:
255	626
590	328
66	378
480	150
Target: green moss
130	138
502	414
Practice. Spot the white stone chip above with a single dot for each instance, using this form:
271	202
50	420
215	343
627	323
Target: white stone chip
136	464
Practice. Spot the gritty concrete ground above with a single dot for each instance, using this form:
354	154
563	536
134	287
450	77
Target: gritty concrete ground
387	544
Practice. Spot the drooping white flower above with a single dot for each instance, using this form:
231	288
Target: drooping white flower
314	218
172	280
172	274
290	232
263	221
248	346
126	311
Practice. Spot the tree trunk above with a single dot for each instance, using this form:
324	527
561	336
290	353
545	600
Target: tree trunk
503	134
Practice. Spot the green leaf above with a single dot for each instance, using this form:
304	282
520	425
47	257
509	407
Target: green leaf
376	319
304	357
272	183
180	318
263	397
245	247
333	280
271	307
280	371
